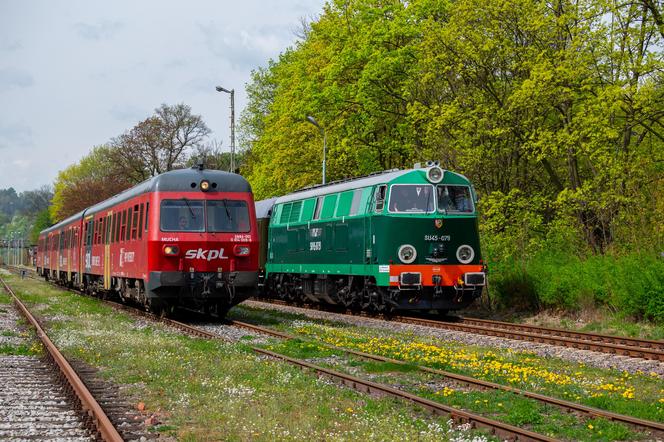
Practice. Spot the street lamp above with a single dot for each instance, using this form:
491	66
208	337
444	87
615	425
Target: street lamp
232	92
313	121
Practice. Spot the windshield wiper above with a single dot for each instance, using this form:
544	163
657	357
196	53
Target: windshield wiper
186	201
228	212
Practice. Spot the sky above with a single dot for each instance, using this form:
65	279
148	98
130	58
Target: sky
74	74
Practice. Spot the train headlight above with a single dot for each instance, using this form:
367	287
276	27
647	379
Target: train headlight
171	250
435	174
205	185
465	254
241	250
407	253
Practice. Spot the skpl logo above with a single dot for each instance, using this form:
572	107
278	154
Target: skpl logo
207	255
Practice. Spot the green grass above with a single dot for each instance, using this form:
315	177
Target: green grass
208	390
502	406
550	376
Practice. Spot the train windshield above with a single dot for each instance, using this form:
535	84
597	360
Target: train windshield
182	215
454	199
411	198
227	216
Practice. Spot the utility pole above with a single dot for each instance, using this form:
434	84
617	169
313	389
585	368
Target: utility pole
232	93
313	121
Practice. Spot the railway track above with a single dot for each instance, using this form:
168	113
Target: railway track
37	400
623	346
498	428
617	345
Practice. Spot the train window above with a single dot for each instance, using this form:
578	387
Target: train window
381	191
182	215
113	221
411	198
319	207
129	219
147	213
227	216
134	223
296	208
123	225
345	200
140	223
118	220
107	231
355	203
307	210
285	213
454	199
329	204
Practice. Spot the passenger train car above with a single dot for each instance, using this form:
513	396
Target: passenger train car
183	238
397	240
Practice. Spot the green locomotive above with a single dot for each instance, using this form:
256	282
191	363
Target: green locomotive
395	240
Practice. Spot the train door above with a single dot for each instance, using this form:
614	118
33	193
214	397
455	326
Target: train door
107	251
86	258
68	247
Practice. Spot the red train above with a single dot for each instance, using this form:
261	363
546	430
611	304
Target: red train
183	238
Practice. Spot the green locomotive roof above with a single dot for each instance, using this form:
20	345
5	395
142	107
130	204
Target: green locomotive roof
356	183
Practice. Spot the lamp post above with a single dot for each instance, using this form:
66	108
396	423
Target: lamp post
313	121
232	92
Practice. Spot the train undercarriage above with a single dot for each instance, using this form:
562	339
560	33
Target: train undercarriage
362	293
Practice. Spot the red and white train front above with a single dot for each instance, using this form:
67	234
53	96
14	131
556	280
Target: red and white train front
202	248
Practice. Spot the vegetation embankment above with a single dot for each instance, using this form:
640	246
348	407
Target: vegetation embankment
553	110
197	389
639	395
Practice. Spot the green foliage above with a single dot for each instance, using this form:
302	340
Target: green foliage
42	221
631	284
554	111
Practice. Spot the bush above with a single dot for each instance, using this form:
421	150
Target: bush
631	285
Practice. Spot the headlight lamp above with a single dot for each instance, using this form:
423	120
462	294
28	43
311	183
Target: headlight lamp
407	253
465	254
205	185
435	174
171	250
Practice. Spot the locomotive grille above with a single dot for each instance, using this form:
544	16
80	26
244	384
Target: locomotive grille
411	278
477	278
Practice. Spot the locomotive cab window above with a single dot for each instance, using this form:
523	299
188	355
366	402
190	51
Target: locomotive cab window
182	215
454	199
227	216
411	198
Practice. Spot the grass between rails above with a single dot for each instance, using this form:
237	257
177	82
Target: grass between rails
636	395
22	343
503	406
209	390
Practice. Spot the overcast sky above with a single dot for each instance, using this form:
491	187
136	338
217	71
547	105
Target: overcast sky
74	74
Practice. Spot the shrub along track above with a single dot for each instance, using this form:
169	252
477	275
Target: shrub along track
624	346
100	421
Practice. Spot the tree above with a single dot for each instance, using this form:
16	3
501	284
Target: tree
95	177
42	221
159	143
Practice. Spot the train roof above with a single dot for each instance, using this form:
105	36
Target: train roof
264	208
354	183
174	180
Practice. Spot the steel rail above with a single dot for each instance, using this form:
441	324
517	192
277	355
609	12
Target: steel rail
602	347
622	340
566	405
645	349
497	428
88	402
